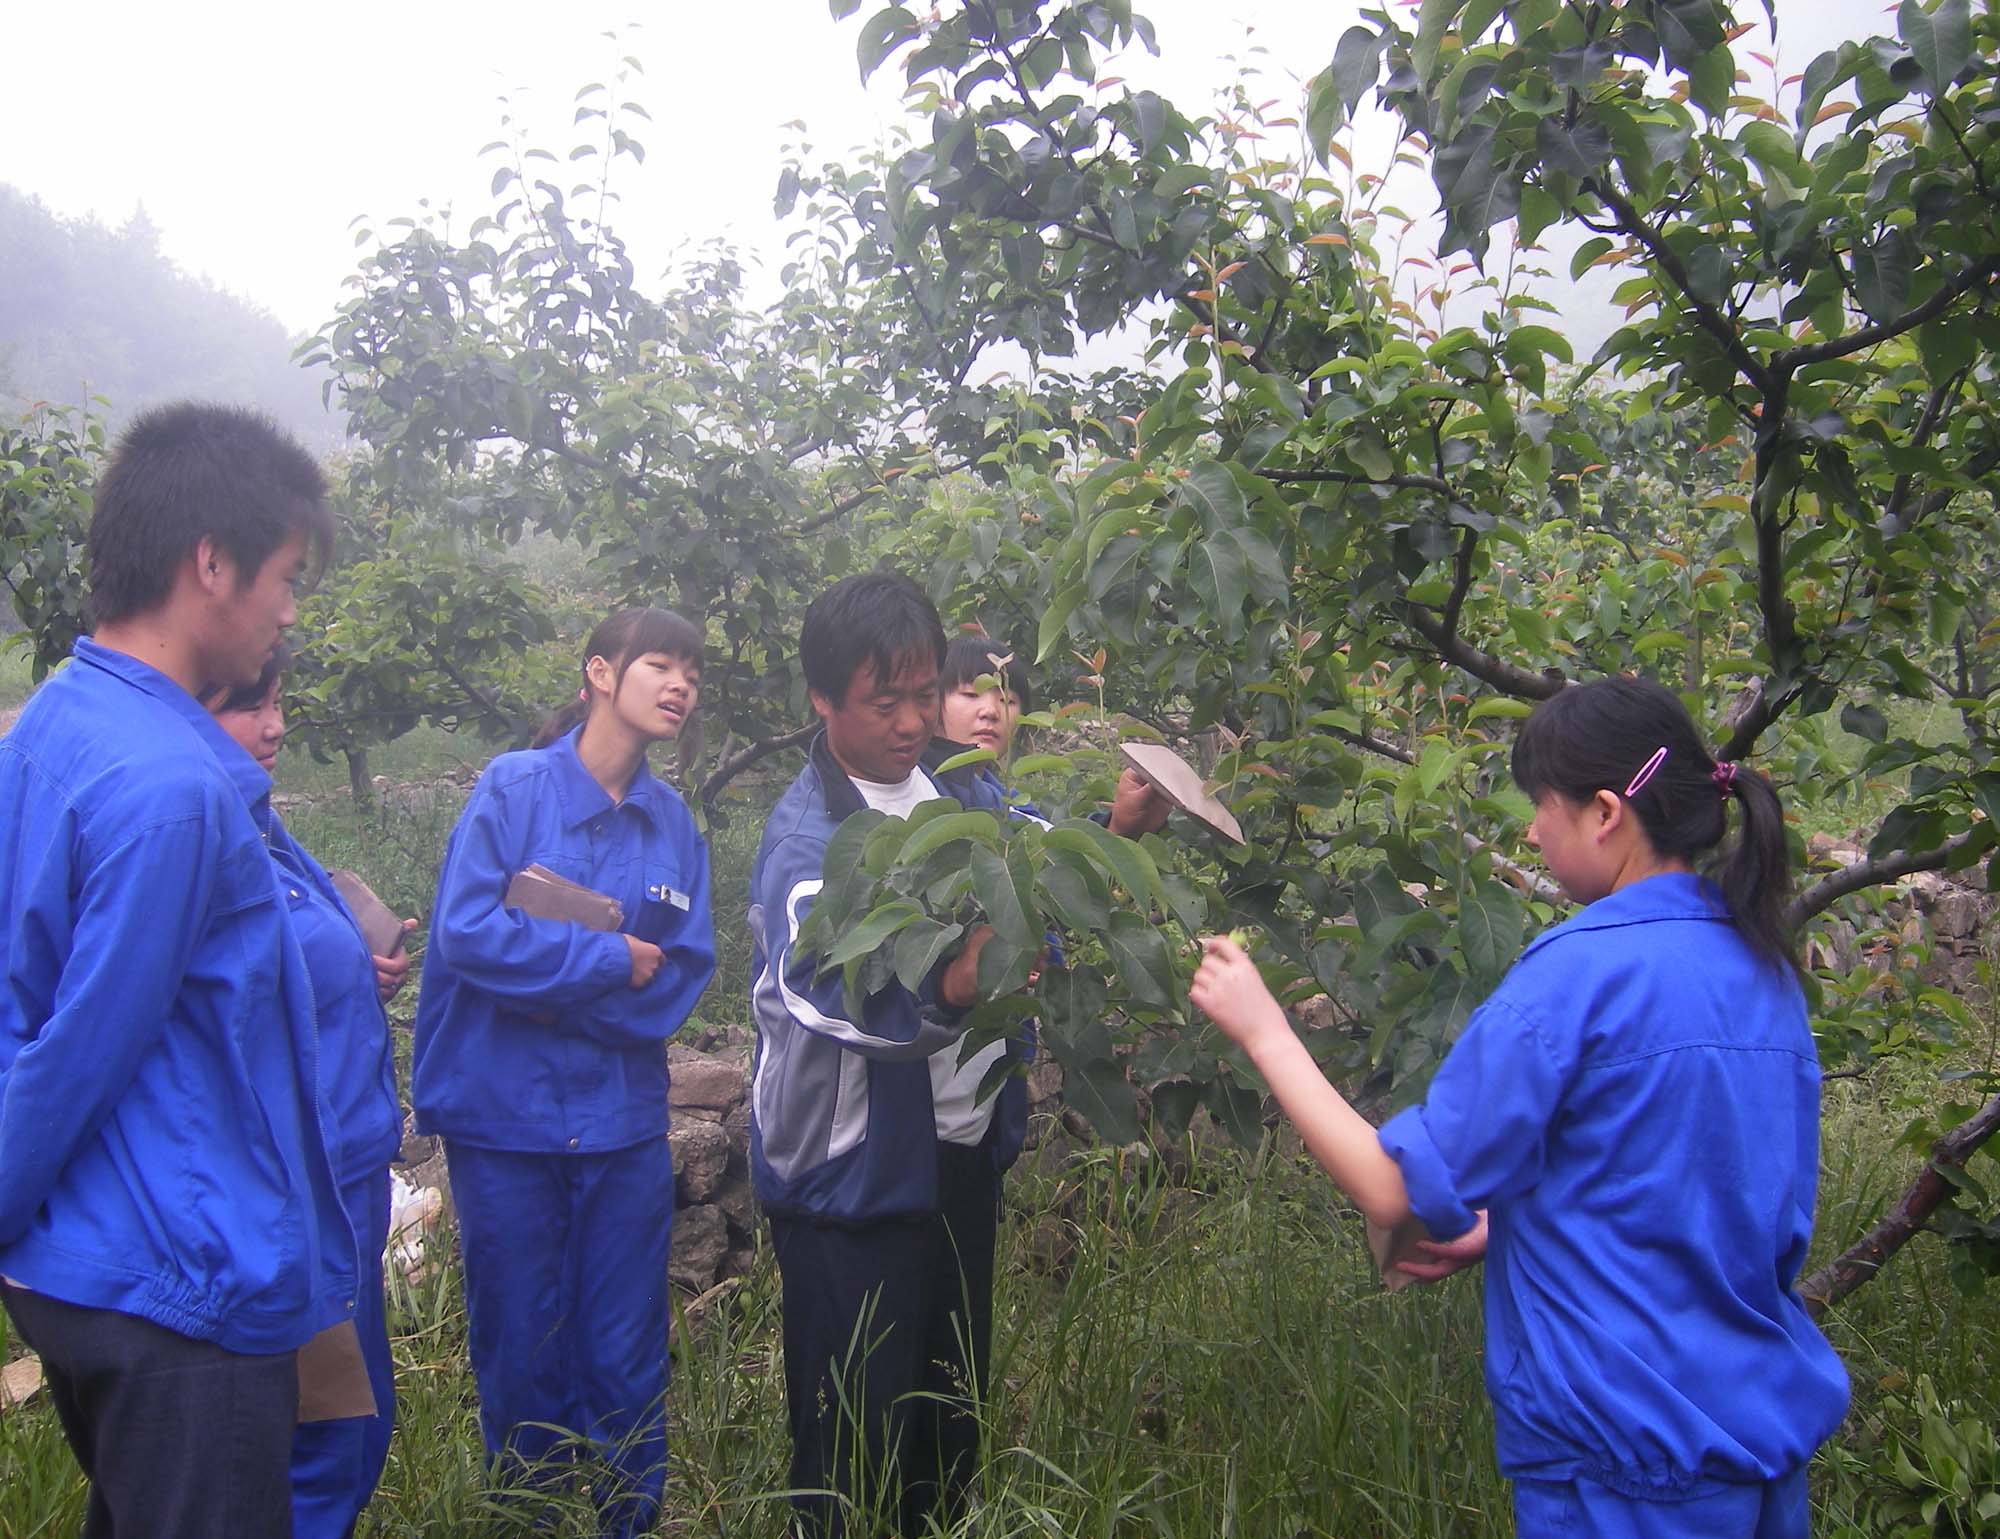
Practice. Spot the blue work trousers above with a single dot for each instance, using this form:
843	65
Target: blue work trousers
335	1464
1582	1509
566	1305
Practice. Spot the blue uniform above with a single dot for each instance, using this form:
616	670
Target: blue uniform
336	1464
1637	1106
546	1073
162	1152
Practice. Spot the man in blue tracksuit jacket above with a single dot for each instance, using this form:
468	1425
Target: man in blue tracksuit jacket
170	1227
878	1224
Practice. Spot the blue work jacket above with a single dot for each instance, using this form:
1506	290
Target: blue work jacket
162	1147
356	1063
1637	1107
529	1035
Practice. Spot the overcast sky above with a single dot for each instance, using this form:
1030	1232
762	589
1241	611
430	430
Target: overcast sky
253	133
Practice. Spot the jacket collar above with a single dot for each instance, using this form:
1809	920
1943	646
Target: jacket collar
1673	895
582	798
244	772
837	789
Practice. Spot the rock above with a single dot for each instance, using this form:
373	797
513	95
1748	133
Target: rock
703	1084
701	1158
739	1205
1926	887
700	1245
1957	915
737	1125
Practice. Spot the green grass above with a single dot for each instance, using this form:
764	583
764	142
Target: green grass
1195	1357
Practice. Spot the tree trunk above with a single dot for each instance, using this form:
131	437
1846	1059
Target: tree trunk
1906	1216
358	784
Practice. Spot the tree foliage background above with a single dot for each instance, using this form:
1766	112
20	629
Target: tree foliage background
1353	505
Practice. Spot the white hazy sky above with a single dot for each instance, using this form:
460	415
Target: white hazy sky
253	133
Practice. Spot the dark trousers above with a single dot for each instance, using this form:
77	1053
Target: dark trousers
888	1337
566	1311
178	1438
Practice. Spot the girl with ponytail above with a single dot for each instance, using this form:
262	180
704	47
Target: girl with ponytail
541	1060
1626	1133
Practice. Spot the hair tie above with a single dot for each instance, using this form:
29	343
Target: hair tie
1724	776
1646	772
584	694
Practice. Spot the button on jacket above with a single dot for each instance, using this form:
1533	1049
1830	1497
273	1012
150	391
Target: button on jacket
158	1154
529	1037
1637	1106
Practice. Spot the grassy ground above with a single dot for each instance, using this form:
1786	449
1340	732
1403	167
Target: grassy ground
1200	1358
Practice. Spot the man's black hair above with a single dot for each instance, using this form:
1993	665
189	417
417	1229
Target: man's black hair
878	618
969	658
190	470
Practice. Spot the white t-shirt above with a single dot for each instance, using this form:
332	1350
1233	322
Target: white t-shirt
960	1117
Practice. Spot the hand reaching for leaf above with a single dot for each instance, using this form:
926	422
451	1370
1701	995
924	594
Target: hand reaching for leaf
1229	991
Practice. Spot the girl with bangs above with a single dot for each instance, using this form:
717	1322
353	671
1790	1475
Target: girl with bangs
541	1060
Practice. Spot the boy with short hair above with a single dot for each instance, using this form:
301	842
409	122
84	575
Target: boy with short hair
170	1231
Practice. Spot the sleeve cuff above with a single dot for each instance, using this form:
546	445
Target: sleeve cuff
1434	1196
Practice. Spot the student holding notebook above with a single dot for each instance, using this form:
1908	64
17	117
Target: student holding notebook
336	1462
541	1060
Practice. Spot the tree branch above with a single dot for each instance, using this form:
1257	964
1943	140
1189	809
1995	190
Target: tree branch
1830	889
1906	1216
1711	319
1508	678
1858	341
1342	478
749	754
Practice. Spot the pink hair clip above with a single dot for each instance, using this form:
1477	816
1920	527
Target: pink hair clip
1646	773
1724	776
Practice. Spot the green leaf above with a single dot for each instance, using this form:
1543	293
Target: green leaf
967	759
1138	951
869	933
1940	40
1098	1089
1576	149
1055	619
1008	908
1490	923
1220	578
1864	720
937	832
1212	491
918	949
1357	63
881	35
1076	890
1882	275
1072	1000
1238	1108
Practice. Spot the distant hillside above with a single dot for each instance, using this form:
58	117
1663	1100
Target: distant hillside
87	310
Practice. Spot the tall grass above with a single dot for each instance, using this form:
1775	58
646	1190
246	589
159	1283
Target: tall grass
1200	1355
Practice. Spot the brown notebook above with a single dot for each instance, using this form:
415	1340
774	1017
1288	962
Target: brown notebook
333	1377
541	894
1389	1246
1175	779
379	925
